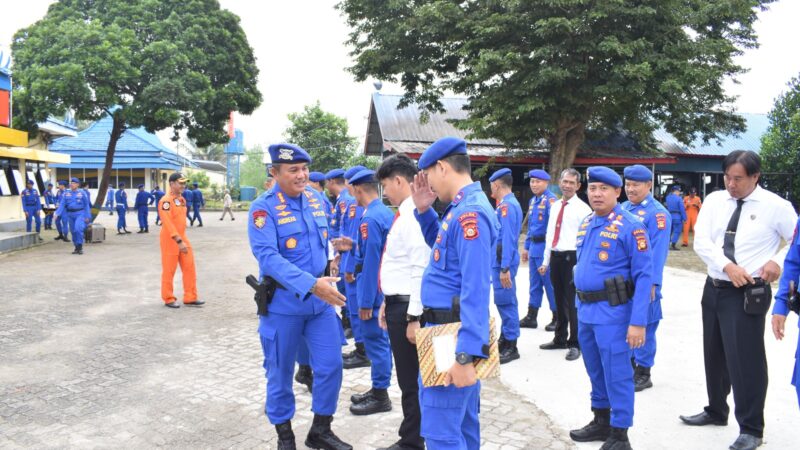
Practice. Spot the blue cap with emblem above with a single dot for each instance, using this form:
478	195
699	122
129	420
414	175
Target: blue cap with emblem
500	173
363	176
352	171
62	183
288	154
676	187
442	148
638	172
335	173
74	180
602	174
141	186
29	182
50	184
539	174
316	177
122	183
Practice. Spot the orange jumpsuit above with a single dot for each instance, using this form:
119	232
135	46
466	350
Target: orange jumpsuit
692	204
172	211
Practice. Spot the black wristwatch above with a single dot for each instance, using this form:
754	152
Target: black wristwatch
464	359
410	318
504	270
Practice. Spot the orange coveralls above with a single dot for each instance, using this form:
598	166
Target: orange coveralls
692	204
172	211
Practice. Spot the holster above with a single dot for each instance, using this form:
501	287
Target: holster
792	302
618	290
499	253
265	291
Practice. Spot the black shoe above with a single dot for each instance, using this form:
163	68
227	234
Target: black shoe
396	446
320	436
360	398
704	418
553	345
552	325
348	333
501	343
58	238
285	436
232	219
598	429
359	359
127	232
746	442
220	219
673	247
146	231
305	376
172	304
573	353
617	440
200	226
75	251
195	303
510	353
378	402
140	232
65	239
641	378
529	321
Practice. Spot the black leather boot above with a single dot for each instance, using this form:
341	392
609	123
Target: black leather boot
552	325
348	330
641	378
359	358
305	376
617	440
285	436
529	321
320	436
360	398
501	343
510	353
378	402
598	429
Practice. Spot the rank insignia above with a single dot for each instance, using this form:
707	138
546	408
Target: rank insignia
281	197
259	218
603	256
449	216
605	244
325	234
641	243
504	211
444	226
552	200
364	232
436	255
642	212
280	207
439	238
165	206
291	243
352	211
284	213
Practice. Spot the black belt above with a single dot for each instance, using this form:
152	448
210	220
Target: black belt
561	253
725	284
439	316
591	296
397	298
537	239
74	210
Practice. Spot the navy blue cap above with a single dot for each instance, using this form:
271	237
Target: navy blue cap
676	187
49	184
335	173
602	174
194	184
540	174
638	172
363	176
288	154
352	171
442	148
141	186
62	183
122	183
29	181
74	180
500	173
316	177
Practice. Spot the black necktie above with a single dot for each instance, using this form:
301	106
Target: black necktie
730	234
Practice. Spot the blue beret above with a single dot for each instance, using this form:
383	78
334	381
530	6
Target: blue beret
638	173
500	173
288	154
602	174
62	183
676	187
122	183
335	173
352	171
194	184
29	181
316	177
141	186
540	174
49	184
363	176
74	180
442	148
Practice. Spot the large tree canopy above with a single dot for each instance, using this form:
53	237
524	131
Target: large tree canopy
547	70
324	135
180	64
780	146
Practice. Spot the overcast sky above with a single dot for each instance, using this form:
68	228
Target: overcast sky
299	46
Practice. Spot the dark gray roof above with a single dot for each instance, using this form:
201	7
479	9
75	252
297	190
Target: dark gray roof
214	166
750	139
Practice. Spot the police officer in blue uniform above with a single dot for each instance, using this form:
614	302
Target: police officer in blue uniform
336	184
538	215
76	208
157	194
110	199
31	205
677	210
786	300
197	202
455	287
189	199
657	221
121	198
506	262
317	181
143	199
61	222
289	238
372	232
613	282
49	199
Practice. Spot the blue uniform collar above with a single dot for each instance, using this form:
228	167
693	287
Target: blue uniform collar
374	202
463	193
508	196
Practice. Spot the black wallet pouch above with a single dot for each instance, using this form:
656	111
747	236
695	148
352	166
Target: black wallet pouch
757	298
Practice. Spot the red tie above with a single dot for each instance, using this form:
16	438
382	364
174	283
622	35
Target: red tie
558	223
396	215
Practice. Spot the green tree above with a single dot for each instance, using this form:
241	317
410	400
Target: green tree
180	64
542	72
324	135
780	145
213	152
252	170
199	177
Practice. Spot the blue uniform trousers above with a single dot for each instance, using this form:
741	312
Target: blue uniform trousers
142	213
796	374
48	221
32	214
303	357
62	224
281	336
645	355
506	302
450	417
197	217
376	343
538	282
607	358
352	308
110	205
77	224
677	229
121	217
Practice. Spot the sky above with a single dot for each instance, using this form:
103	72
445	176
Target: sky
302	57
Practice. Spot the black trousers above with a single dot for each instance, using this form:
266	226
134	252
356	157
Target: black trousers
561	265
406	365
733	347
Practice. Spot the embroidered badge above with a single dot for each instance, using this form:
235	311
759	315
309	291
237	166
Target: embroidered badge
325	234
364	231
342	207
284	213
439	238
542	206
661	221
319	214
541	217
612	228
177	202
286	154
281	197
286	220
436	255
281	207
603	256
469	228
444	226
504	211
642	212
552	200
165	206
352	211
605	244
259	218
641	243
291	243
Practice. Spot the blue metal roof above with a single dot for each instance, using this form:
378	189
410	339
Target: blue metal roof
136	149
750	139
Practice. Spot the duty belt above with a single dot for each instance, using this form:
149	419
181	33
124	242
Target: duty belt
538	239
439	316
591	296
397	298
74	210
725	284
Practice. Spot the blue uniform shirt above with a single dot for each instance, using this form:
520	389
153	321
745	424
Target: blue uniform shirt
143	199
197	198
509	215
110	195
461	263
157	194
791	272
121	198
676	207
49	198
59	196
351	225
288	237
615	244
339	213
372	234
538	215
30	200
74	201
188	195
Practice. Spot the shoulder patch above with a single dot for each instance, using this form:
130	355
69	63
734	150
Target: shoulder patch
165	206
469	225
364	231
504	211
661	221
259	218
641	242
552	200
352	213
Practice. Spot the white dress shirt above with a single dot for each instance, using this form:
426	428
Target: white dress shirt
576	210
405	259
765	219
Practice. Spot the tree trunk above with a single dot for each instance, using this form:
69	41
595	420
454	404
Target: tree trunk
564	145
102	188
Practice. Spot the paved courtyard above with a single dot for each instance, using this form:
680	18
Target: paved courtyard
91	359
